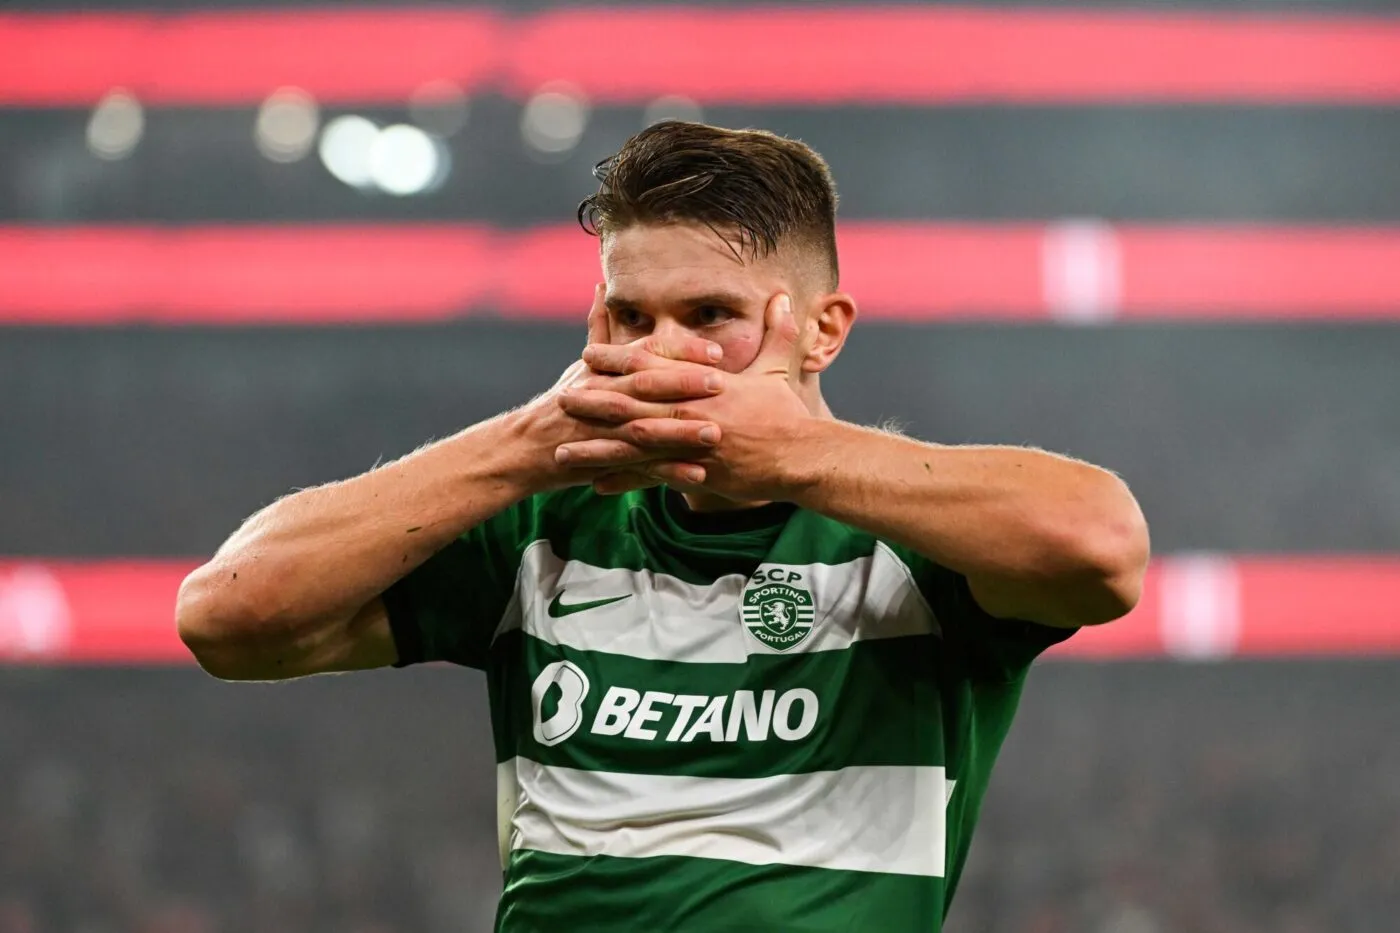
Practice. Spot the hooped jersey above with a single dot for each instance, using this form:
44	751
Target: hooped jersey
760	720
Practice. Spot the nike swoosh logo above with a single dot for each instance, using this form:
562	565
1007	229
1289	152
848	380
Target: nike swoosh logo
558	608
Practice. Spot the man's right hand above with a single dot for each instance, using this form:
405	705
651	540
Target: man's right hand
665	437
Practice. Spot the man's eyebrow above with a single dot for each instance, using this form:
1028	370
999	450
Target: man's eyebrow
618	303
726	299
714	298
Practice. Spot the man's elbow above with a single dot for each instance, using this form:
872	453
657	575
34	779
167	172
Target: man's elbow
220	625
1118	597
1116	552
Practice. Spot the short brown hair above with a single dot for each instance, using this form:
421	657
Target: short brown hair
764	188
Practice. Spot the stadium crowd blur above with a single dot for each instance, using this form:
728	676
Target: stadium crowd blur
1240	798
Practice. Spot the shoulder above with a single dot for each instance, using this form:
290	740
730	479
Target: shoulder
991	648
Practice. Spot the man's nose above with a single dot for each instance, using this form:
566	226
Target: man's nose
666	328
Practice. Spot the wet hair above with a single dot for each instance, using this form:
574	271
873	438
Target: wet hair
758	191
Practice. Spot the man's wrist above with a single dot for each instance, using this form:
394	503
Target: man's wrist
506	452
808	457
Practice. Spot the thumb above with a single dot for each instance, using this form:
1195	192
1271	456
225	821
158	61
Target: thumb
780	336
598	328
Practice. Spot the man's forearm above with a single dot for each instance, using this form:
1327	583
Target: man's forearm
1061	529
326	551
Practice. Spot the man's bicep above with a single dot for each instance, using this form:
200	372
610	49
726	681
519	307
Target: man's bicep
994	647
366	642
356	643
1002	598
448	608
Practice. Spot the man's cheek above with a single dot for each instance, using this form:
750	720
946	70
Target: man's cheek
739	351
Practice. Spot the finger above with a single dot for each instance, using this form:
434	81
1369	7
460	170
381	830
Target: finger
608	453
611	407
618	360
778	351
599	330
685	348
679	475
600	452
643	354
676	383
663	433
673	384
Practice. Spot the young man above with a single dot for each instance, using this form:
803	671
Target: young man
765	695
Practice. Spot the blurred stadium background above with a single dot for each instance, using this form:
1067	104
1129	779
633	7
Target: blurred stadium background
248	249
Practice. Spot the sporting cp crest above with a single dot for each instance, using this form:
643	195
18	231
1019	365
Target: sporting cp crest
776	611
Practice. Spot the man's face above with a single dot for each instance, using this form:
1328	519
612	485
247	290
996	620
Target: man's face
682	278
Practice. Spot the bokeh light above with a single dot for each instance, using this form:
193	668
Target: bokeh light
404	160
553	120
114	130
345	149
673	107
286	125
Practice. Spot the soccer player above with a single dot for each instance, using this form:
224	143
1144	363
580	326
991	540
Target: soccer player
749	665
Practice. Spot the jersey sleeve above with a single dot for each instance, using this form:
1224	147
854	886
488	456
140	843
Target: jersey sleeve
992	649
448	608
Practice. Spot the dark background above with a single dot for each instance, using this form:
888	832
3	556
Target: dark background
1250	438
1132	797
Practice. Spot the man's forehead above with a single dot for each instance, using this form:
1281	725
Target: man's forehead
627	298
682	263
669	245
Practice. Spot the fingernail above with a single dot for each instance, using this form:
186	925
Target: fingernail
710	435
561	455
784	304
694	475
714	382
715	352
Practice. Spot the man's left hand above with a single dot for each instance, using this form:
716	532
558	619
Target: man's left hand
757	410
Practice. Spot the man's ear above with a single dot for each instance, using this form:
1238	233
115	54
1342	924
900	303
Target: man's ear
829	320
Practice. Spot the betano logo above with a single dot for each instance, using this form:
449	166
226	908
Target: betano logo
653	714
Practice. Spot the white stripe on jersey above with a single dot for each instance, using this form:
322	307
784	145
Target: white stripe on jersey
872	818
668	619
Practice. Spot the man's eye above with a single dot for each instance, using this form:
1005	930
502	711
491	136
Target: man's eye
631	318
707	315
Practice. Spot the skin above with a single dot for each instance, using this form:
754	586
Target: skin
702	371
1039	537
670	285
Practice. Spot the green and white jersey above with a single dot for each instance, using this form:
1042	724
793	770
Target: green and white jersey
761	720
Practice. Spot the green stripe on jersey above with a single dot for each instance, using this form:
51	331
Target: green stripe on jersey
875	703
551	893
